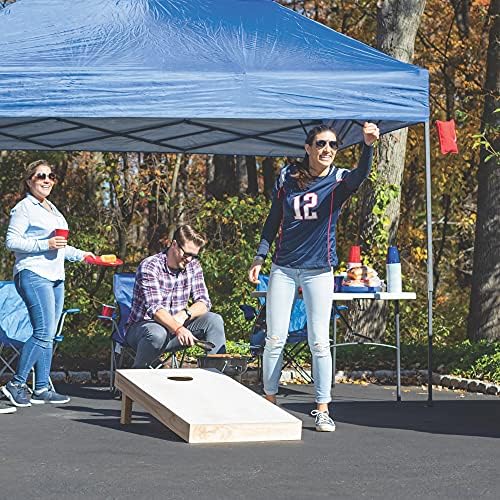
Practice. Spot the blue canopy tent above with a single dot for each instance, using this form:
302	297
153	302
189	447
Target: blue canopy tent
245	77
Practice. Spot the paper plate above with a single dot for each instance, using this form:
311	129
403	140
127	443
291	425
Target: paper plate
97	261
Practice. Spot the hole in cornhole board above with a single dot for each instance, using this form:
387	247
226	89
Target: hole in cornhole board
180	379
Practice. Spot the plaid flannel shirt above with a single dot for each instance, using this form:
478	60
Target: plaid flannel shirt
158	287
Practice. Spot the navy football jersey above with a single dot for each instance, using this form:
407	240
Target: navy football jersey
304	221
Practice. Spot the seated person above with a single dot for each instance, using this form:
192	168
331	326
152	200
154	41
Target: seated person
161	318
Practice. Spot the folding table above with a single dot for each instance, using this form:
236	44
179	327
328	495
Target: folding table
395	297
348	296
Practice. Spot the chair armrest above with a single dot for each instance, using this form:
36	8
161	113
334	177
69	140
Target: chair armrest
59	336
248	311
104	318
74	310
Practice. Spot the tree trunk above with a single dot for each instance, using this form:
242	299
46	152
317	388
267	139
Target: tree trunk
484	315
397	25
241	175
253	186
225	180
175	187
210	173
124	205
461	8
269	176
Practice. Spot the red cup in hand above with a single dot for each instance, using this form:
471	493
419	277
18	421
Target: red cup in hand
62	232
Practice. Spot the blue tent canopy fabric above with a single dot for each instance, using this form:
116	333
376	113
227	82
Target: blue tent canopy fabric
199	76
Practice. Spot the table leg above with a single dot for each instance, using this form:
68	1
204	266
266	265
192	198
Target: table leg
334	347
398	352
126	413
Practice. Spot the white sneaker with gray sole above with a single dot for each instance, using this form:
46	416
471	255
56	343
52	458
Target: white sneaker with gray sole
323	421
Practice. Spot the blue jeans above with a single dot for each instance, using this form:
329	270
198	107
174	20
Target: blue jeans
149	339
317	290
44	300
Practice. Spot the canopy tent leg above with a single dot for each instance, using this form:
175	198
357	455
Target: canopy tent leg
430	275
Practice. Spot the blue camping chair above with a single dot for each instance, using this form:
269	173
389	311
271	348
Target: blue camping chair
121	352
123	287
297	331
16	329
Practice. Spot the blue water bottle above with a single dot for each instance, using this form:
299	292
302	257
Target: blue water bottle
393	268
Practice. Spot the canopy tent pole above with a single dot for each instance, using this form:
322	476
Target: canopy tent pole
430	275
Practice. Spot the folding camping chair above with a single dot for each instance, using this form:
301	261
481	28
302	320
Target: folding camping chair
297	331
15	328
121	352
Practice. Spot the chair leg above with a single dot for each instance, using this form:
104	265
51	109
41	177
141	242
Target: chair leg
334	349
175	363
8	363
182	358
289	360
112	369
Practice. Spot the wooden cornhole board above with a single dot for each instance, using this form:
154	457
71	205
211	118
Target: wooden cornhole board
209	407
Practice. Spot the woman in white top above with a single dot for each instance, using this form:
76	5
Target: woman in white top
39	280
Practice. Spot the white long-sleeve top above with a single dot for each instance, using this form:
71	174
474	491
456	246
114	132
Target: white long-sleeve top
30	228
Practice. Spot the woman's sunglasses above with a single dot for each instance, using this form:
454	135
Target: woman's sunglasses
42	176
321	144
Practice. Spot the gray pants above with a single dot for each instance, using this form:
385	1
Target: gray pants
149	339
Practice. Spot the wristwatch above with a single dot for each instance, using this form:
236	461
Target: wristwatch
188	314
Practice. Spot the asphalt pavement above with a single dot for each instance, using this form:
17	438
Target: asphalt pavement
381	449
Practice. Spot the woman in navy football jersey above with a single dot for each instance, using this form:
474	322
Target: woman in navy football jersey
306	204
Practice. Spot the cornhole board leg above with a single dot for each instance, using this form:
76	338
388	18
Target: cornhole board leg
204	406
126	413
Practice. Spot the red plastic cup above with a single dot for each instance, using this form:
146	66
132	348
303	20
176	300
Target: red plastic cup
62	232
355	254
107	311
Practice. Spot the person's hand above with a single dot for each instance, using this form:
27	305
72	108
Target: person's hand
185	337
253	272
371	133
57	242
88	254
180	317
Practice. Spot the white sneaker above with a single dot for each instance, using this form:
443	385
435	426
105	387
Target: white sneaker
4	408
324	423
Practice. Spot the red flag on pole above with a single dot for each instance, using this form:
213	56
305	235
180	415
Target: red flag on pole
447	136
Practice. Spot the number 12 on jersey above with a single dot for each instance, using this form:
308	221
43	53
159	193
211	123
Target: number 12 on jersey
306	212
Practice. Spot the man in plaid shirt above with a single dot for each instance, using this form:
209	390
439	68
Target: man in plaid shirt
161	318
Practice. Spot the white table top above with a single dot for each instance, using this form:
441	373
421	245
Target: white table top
340	296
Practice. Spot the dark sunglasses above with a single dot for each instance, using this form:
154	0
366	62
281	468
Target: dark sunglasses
321	144
42	176
187	255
